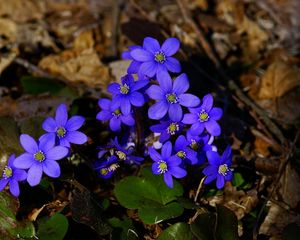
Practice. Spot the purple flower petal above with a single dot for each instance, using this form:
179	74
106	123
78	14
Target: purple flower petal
74	123
76	137
173	65
128	120
51	168
140	84
168	179
207	102
174	161
164	136
141	55
114	88
165	81
210	178
134	67
57	153
175	112
151	44
181	84
227	155
192	156
158	110
170	46
189	100
28	143
197	128
180	143
155	156
64	142
104	103
115	124
3	183
213	127
11	160
155	168
14	188
35	174
125	106
104	115
116	102
137	99
213	158
148	68
220	181
215	113
20	175
49	125
166	150
61	116
24	161
189	118
210	170
177	172
155	92
228	176
46	142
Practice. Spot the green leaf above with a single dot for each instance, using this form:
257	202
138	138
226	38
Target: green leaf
204	226
10	228
37	85
178	231
123	229
227	224
150	195
52	228
156	212
238	179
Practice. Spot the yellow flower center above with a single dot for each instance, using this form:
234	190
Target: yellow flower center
39	156
160	57
173	128
223	169
162	167
121	155
181	154
124	89
172	98
104	171
7	172
117	113
194	145
203	116
61	132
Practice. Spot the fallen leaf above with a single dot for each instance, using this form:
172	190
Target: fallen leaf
6	59
279	78
8	31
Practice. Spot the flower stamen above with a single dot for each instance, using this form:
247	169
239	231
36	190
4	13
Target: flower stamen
61	132
181	154
162	167
160	57
124	89
172	98
7	172
117	113
39	156
223	169
173	128
203	116
121	155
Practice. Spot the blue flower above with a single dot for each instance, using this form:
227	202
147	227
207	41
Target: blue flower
40	157
201	144
125	154
64	130
115	116
219	167
167	129
166	164
126	94
105	169
204	117
134	65
183	151
12	176
170	97
156	59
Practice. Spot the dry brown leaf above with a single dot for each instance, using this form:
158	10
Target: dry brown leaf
8	31
119	68
22	11
279	78
6	59
284	210
77	67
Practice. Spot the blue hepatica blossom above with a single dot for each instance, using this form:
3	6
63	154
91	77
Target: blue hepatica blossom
219	167
106	168
134	65
166	164
167	129
64	130
115	116
183	151
40	157
204	117
12	176
156	59
126	93
170	97
125	154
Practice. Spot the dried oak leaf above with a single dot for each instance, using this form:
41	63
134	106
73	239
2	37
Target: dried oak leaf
8	31
279	78
77	66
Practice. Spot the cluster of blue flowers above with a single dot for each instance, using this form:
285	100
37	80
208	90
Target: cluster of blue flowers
41	156
187	125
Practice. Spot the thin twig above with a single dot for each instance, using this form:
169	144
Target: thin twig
198	190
